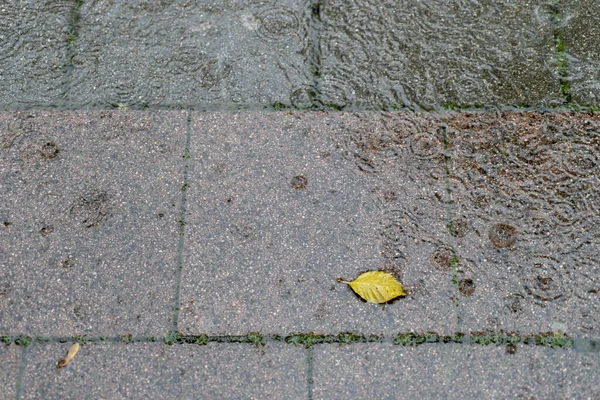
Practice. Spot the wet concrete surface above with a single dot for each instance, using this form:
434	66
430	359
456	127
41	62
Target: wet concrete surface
128	229
90	204
456	372
159	371
304	54
252	228
194	252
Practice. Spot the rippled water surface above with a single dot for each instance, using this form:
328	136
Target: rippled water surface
302	54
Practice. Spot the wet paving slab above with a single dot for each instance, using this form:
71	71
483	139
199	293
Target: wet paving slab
159	371
524	190
578	36
379	54
281	205
386	371
192	53
301	54
129	230
90	204
11	361
33	46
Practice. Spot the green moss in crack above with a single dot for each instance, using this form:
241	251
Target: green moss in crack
201	340
348	338
81	339
23	341
7	340
173	337
127	338
409	339
277	106
256	339
307	339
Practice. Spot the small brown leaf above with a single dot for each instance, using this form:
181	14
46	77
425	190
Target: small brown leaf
70	354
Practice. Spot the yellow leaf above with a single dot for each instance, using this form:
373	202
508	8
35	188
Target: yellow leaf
376	286
70	354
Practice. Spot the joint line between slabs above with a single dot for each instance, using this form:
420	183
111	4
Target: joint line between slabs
449	217
309	372
180	245
22	367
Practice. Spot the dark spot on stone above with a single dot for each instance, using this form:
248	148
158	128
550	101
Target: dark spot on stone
49	150
91	208
515	306
466	287
245	231
161	215
299	182
229	200
390	196
68	262
503	235
442	258
46	230
458	227
7	223
511	348
544	282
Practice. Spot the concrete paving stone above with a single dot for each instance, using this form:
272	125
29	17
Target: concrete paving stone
263	247
526	213
90	209
11	363
433	371
579	31
437	53
532	372
383	371
159	371
33	48
190	52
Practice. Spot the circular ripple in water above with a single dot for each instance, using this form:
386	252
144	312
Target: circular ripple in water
10	35
544	278
502	235
278	25
61	8
564	213
303	97
129	92
402	126
425	145
582	161
204	69
585	282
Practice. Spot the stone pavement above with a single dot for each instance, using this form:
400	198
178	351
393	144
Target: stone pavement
182	182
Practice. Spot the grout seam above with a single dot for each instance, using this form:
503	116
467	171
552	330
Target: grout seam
73	35
182	214
308	340
22	368
309	372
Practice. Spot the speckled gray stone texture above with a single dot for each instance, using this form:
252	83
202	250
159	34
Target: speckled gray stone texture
262	254
159	371
10	356
579	30
387	371
33	46
524	189
184	52
89	210
428	54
